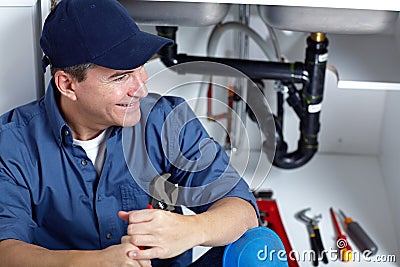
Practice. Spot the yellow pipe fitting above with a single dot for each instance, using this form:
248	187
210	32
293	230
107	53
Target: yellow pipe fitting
318	36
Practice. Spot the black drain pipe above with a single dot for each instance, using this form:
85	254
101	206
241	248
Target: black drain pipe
315	64
311	75
255	70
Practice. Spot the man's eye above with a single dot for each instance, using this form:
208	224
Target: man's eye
121	78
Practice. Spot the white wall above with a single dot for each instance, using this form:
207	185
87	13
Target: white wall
390	157
20	79
390	147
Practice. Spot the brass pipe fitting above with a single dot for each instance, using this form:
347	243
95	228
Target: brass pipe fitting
318	36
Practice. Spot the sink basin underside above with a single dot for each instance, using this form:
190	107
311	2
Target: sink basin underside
328	20
164	13
293	18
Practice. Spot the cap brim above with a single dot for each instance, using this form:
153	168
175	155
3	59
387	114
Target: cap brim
133	52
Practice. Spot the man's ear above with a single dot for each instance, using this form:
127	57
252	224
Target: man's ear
65	84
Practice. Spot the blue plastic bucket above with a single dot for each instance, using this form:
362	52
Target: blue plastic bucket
259	246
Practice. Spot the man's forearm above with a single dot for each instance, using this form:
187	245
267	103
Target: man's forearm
226	221
17	253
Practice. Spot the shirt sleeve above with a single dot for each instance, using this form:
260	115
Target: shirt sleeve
200	166
15	212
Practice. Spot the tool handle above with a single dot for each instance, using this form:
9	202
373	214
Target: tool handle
346	255
345	250
361	238
314	247
320	244
271	210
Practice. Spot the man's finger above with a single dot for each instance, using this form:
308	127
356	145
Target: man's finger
140	241
135	216
150	253
144	228
139	216
123	215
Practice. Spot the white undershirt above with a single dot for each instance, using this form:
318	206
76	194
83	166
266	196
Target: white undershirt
95	150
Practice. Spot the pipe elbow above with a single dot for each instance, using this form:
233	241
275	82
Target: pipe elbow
293	160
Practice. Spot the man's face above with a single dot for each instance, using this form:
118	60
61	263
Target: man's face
110	97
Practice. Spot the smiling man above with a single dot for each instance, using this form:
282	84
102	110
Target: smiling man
71	193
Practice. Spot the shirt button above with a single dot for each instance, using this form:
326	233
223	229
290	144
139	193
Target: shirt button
99	198
66	132
108	236
84	162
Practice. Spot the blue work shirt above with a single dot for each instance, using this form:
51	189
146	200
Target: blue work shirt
52	196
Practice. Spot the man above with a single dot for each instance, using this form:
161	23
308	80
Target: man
74	186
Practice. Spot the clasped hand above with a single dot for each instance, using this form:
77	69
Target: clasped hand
160	234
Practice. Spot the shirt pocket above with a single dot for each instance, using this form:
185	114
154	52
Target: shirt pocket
133	197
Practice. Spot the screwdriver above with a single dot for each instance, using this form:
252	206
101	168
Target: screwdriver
341	241
359	236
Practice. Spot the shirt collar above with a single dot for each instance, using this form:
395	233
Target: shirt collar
57	123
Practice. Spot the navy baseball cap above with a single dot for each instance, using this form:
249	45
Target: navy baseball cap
96	31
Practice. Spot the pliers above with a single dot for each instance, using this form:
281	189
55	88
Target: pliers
163	193
315	236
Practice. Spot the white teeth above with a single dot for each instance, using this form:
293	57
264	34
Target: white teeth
131	103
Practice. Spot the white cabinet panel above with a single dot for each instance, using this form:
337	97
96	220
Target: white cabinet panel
20	78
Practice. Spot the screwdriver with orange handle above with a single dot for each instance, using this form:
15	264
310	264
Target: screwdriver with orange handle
361	239
343	245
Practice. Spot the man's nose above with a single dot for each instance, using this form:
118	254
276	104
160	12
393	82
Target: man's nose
137	87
